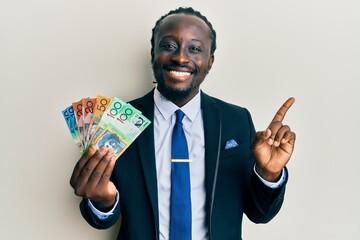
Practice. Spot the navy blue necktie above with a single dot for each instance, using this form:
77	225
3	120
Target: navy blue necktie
180	202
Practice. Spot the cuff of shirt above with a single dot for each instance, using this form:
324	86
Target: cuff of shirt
272	184
100	214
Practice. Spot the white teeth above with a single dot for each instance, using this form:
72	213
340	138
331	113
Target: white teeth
180	74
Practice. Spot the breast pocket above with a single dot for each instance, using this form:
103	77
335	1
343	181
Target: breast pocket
241	149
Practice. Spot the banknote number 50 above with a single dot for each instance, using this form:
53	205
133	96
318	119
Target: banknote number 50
102	106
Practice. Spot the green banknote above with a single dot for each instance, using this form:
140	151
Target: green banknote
108	116
119	127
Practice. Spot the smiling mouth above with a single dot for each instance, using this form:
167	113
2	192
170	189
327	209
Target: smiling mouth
179	73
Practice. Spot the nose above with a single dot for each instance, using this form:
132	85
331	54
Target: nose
180	56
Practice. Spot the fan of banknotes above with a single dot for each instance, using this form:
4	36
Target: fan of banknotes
104	121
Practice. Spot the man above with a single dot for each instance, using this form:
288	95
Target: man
232	171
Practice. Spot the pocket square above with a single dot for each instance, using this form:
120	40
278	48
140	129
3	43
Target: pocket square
231	144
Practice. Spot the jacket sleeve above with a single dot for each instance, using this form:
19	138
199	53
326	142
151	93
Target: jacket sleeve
94	220
263	202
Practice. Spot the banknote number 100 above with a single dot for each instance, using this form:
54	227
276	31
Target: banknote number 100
115	110
124	116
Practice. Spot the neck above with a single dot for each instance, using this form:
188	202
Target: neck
179	100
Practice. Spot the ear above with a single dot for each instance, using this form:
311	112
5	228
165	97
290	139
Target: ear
152	54
210	62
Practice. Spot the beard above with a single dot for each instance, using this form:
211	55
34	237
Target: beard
172	94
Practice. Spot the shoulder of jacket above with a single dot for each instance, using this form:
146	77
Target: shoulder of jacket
223	104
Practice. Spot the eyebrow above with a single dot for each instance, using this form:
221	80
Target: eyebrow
197	40
171	36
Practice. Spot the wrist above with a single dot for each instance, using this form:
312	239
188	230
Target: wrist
266	175
106	205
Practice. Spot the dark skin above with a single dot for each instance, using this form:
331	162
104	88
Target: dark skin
181	57
91	178
274	146
181	62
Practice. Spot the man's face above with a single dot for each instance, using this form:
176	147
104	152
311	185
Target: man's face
181	56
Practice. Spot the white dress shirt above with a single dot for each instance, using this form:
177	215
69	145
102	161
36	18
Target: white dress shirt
164	121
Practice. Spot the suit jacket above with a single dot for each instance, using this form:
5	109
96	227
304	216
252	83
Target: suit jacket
232	188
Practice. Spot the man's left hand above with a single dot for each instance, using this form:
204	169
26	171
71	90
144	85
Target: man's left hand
273	147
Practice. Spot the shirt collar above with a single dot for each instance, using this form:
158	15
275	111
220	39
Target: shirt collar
167	108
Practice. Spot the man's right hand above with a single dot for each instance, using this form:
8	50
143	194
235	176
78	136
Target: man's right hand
91	178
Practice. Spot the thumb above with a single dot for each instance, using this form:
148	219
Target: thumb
263	135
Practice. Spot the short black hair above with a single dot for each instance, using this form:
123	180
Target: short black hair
188	11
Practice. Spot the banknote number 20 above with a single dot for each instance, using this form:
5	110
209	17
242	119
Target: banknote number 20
79	110
89	107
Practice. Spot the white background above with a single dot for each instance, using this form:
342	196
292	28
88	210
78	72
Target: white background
54	52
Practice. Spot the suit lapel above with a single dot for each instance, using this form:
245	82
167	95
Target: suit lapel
145	145
212	131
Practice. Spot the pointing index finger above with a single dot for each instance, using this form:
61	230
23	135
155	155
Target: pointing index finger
280	114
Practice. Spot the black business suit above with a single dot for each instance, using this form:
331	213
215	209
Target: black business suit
232	188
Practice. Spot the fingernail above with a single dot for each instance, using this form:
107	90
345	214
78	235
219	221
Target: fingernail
103	150
92	148
276	143
270	141
110	152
